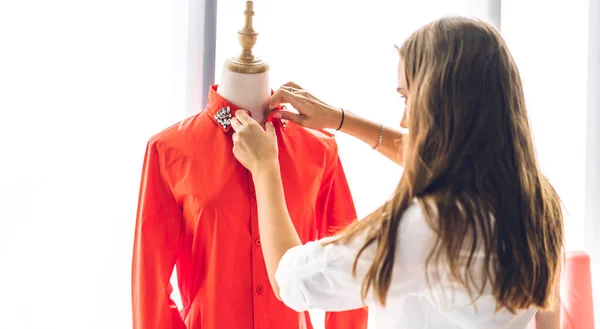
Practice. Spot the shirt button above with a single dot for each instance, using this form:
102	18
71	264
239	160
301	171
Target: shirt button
253	195
257	242
259	290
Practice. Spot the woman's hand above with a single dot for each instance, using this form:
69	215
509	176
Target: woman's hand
313	113
254	147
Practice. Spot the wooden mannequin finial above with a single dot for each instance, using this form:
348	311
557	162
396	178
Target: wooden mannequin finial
247	35
246	62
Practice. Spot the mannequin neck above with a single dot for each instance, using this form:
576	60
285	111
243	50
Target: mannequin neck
250	92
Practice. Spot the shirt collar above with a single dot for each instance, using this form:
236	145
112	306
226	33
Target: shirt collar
221	111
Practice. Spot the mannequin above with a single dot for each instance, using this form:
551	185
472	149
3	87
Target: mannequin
245	78
197	211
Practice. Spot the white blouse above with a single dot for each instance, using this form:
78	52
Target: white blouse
320	277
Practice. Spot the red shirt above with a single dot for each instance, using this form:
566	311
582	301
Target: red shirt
197	209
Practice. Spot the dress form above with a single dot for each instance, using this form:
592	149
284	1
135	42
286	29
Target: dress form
245	78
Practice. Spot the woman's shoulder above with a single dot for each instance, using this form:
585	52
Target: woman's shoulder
415	218
415	234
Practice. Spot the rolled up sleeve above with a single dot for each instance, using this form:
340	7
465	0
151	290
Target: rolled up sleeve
319	276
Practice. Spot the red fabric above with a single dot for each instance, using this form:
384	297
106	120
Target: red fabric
197	209
577	308
576	302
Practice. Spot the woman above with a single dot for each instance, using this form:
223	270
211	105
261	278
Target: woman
473	235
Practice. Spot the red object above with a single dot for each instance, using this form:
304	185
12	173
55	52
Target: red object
197	209
577	308
576	305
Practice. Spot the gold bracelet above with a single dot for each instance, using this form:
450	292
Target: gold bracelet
381	131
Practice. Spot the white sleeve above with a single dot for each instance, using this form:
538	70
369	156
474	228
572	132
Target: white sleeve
317	276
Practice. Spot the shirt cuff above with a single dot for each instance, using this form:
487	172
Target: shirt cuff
297	266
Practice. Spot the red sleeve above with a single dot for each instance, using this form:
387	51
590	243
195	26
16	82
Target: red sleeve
157	236
335	207
335	211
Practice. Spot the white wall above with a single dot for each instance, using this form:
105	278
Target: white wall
83	85
343	52
549	41
592	192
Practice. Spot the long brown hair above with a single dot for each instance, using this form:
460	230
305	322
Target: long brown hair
470	161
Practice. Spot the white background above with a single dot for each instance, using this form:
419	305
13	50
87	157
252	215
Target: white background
549	41
343	52
84	84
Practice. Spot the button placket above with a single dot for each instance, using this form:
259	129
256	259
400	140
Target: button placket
257	262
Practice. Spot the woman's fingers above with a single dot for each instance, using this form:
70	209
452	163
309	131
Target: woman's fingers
294	88
243	118
292	84
290	116
284	96
269	128
236	124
